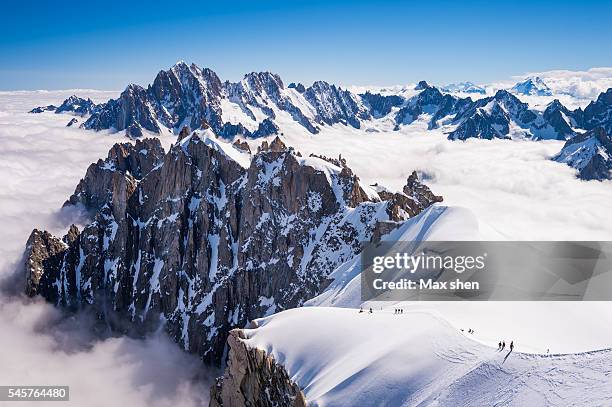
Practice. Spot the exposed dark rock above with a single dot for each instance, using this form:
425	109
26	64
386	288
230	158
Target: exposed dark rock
299	87
557	116
72	122
590	153
433	102
43	252
420	192
266	128
40	109
195	97
113	180
264	90
185	131
493	117
186	95
422	85
414	198
229	131
598	113
334	105
382	228
205	241
189	95
242	146
77	105
253	378
183	95
134	131
380	105
73	104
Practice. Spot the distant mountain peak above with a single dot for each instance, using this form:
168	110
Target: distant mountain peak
180	64
464	87
532	86
422	85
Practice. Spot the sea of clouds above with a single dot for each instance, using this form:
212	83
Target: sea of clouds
512	187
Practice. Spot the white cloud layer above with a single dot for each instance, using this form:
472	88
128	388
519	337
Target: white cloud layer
581	84
514	189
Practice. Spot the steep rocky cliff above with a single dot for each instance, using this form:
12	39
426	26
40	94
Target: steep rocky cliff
208	236
253	378
590	153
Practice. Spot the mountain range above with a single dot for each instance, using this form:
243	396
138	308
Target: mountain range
260	105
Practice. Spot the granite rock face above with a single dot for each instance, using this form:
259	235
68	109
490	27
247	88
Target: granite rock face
208	236
253	378
561	119
187	95
598	113
381	105
334	105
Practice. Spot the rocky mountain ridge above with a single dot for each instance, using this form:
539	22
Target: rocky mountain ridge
190	97
590	153
187	95
208	236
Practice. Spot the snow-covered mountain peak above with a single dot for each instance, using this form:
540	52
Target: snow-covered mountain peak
259	105
533	86
263	80
590	153
464	87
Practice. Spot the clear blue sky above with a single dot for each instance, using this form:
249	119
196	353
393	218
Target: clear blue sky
105	45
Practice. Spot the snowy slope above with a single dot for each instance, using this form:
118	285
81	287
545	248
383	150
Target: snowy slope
436	223
538	326
341	357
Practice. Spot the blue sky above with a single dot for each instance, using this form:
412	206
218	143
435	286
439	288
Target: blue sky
105	45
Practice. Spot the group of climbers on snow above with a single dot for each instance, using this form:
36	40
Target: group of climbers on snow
502	345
